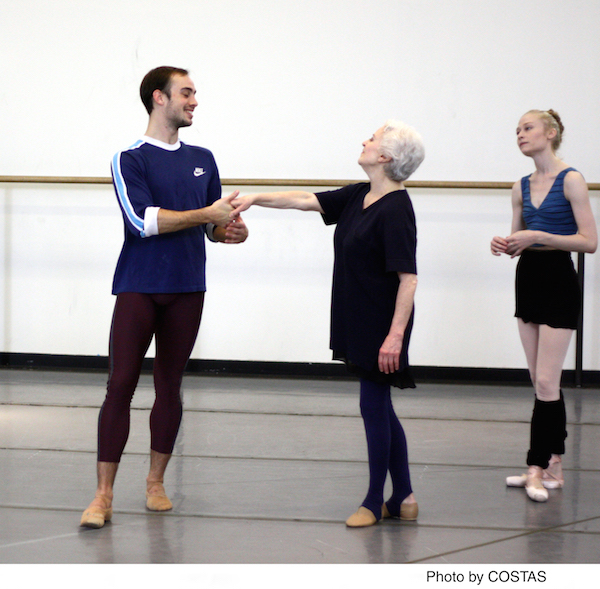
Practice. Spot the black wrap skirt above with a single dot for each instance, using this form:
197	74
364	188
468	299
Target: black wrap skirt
547	289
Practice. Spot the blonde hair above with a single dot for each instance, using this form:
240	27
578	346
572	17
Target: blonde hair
551	120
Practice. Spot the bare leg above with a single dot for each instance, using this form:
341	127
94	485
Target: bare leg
545	349
529	333
156	497
553	346
530	339
100	509
107	472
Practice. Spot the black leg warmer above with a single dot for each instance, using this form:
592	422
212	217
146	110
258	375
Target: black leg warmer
548	431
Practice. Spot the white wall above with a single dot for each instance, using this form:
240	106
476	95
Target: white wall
290	89
286	90
268	299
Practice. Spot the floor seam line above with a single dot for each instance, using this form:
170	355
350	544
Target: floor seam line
172	514
500	540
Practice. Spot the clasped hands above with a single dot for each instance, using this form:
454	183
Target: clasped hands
514	244
235	228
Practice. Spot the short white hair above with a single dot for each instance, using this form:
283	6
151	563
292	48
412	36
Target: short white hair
404	146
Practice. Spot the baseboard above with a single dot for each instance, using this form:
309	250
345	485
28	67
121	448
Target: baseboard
324	370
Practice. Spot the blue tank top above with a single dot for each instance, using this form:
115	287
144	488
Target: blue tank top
555	214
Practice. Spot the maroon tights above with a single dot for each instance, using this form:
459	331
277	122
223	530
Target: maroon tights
174	320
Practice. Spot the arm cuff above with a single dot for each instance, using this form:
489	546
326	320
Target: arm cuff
150	222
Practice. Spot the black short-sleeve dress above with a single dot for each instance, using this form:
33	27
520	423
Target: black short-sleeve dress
371	246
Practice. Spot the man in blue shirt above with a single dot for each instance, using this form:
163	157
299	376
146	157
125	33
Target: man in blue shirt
170	197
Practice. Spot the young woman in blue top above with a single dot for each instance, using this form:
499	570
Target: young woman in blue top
552	217
374	282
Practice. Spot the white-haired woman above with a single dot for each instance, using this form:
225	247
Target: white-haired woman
552	217
375	278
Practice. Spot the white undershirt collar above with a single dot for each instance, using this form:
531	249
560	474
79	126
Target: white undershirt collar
162	144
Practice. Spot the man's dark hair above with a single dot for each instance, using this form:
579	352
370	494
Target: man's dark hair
159	78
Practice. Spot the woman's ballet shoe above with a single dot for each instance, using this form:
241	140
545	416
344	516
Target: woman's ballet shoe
96	517
535	490
519	480
158	502
548	480
362	518
408	511
553	475
552	482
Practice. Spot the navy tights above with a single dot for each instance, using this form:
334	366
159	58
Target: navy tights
386	446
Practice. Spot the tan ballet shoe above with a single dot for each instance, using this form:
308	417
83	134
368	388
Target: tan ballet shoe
95	517
408	511
362	518
158	501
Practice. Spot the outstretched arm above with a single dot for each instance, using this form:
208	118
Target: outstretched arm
293	199
216	213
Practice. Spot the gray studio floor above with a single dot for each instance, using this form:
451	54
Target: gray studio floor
267	470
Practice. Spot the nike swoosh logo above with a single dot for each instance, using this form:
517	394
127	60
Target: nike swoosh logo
199	172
